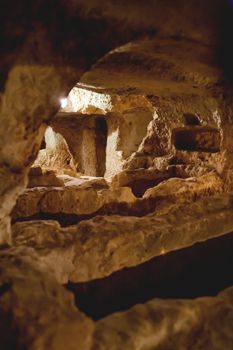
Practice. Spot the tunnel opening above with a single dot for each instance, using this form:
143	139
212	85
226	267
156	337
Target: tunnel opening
43	143
203	269
191	119
140	186
101	134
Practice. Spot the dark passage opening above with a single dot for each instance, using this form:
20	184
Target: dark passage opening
200	139
140	186
43	144
191	119
201	270
101	132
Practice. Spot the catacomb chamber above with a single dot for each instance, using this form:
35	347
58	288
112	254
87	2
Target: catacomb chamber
120	201
75	145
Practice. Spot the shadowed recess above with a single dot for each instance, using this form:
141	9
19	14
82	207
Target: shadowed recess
200	139
201	270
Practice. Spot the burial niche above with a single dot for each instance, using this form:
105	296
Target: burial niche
198	138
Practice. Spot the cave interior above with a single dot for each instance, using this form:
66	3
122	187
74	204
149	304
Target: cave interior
116	175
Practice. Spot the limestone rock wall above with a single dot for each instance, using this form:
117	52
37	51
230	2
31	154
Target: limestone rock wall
203	323
86	138
56	155
166	104
43	56
36	312
166	116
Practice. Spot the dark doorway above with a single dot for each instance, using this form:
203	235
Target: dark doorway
101	132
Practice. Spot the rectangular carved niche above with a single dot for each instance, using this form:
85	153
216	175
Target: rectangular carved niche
197	138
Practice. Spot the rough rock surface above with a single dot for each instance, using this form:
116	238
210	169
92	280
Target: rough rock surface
92	196
35	311
96	248
166	103
56	155
42	57
38	178
140	179
47	54
168	110
81	199
203	324
86	137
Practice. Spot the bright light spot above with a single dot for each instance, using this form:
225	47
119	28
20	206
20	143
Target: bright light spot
86	86
88	101
63	102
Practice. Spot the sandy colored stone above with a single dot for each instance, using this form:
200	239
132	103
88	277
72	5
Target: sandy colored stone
140	179
86	137
35	311
96	248
74	198
31	296
157	81
22	129
204	324
85	196
97	183
164	100
143	181
35	74
42	57
56	155
38	178
190	186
